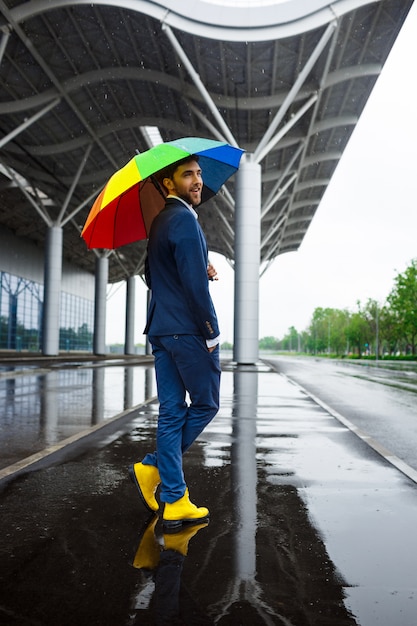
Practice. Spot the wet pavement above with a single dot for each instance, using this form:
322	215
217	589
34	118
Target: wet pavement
376	400
308	525
44	403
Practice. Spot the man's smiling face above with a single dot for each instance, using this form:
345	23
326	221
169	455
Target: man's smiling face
186	183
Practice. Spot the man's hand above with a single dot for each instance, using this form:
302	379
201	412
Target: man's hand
211	272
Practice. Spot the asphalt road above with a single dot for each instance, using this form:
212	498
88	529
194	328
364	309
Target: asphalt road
380	400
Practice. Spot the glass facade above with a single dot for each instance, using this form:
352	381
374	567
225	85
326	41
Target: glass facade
21	303
76	323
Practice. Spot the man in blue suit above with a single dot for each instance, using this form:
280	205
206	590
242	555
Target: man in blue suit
183	330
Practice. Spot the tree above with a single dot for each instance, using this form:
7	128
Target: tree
268	343
357	330
291	340
338	321
403	302
371	316
389	330
327	331
318	331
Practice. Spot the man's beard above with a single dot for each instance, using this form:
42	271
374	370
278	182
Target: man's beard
190	198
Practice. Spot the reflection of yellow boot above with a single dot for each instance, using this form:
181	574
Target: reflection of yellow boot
147	554
146	479
183	511
179	541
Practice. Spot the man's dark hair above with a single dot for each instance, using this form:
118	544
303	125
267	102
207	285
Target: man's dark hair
169	170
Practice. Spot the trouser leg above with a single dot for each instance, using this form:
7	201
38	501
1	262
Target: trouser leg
182	363
171	419
201	377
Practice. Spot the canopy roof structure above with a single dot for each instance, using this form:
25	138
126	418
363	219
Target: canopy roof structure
82	81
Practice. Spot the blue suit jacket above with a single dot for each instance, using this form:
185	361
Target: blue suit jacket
177	275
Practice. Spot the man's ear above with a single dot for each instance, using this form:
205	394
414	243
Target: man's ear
168	184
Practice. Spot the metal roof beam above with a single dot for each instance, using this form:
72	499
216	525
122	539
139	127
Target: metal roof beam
51	76
312	125
229	247
199	84
225	222
303	203
271	199
301	78
28	122
210	127
41	211
233	23
280	192
3	42
277	227
246	103
228	197
74	184
274	229
316	182
87	200
273	250
284	130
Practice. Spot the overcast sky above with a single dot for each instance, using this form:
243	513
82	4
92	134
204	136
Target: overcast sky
364	231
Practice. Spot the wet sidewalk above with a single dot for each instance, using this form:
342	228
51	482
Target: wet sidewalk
308	526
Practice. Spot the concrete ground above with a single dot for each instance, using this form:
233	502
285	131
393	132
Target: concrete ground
308	525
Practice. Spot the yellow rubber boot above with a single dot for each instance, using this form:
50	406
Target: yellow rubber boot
179	541
183	511
146	478
148	552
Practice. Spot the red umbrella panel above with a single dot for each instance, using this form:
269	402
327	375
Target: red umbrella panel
123	221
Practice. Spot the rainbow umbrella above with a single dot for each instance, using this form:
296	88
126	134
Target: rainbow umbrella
125	209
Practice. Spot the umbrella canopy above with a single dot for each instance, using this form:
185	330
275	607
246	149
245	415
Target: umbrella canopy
125	209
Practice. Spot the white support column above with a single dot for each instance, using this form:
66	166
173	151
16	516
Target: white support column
247	262
102	272
52	291
130	316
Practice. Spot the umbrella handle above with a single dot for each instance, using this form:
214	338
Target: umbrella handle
157	186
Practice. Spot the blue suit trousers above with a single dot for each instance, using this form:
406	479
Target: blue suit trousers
182	364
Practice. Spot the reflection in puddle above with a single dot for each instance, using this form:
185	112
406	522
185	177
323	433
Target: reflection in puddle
260	560
306	526
40	410
161	588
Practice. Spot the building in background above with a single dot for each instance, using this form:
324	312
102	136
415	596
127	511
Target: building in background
21	299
